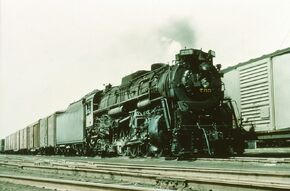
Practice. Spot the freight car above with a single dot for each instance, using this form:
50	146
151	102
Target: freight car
32	140
12	142
2	145
23	141
7	144
173	110
47	133
261	90
40	137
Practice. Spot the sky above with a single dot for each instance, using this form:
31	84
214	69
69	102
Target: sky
53	52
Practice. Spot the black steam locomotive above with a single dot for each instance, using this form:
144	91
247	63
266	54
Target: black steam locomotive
172	110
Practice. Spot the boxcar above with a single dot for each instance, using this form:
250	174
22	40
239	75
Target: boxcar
36	140
51	124
261	89
2	145
10	143
23	139
70	125
51	127
47	133
11	140
16	141
7	144
43	133
29	130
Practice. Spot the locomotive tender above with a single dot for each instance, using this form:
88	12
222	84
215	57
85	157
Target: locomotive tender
171	110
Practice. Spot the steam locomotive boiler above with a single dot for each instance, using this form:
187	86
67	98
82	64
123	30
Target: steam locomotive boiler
172	110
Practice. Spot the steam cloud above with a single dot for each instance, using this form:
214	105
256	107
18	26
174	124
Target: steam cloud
179	31
151	44
176	35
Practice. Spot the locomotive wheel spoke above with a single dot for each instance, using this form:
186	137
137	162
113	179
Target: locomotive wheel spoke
134	151
124	152
123	137
145	150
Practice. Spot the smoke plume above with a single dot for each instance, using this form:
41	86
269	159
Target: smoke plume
178	31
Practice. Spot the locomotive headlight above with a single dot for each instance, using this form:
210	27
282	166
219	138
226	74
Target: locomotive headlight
204	83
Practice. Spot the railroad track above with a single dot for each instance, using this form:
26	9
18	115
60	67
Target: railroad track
58	184
250	159
231	159
166	177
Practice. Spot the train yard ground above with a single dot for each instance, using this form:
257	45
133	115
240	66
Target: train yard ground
269	152
27	172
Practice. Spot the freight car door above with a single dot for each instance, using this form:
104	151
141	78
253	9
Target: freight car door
281	88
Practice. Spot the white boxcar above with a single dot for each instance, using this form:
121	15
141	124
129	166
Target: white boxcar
70	124
11	140
43	132
51	126
261	89
36	140
23	139
16	141
29	137
6	148
51	123
8	143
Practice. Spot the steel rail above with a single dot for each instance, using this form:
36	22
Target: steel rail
141	167
68	184
163	176
155	169
231	159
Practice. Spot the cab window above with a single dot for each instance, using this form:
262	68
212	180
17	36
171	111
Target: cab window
88	108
